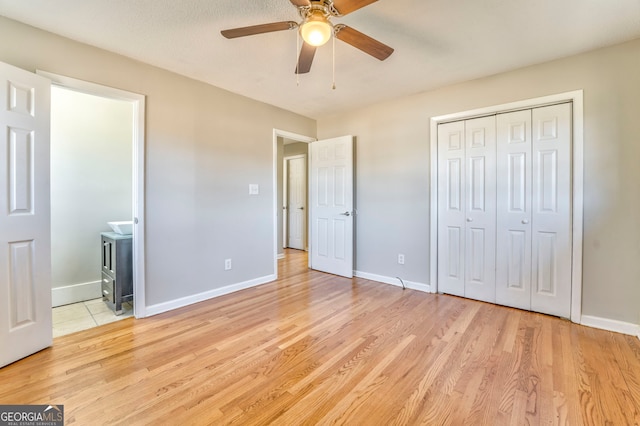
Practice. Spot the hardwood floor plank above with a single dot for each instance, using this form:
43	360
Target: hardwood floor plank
312	348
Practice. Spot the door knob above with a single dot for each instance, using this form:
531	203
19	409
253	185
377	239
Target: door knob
469	219
346	214
525	221
300	208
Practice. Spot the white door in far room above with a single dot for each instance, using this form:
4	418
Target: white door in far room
297	202
332	212
25	233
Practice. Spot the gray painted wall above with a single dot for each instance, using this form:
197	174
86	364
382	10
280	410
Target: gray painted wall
91	180
393	170
296	148
204	146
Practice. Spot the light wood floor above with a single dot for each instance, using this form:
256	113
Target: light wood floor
313	348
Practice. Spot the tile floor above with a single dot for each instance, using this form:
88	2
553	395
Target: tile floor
68	319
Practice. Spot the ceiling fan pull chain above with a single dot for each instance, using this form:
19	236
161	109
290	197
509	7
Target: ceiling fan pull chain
334	63
297	58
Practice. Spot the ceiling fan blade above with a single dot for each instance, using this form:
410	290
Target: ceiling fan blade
305	59
348	6
363	42
298	3
259	29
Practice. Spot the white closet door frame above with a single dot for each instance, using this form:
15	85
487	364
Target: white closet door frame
576	97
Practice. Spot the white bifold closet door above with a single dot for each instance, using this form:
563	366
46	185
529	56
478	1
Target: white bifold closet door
504	209
533	271
467	208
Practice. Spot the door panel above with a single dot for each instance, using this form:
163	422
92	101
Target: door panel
476	258
25	234
20	164
480	182
546	271
516	260
551	222
331	199
21	285
513	249
454	184
340	187
451	219
454	260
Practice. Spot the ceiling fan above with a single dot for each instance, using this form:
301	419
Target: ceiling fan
316	29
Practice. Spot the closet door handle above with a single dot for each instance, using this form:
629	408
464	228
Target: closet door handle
525	221
469	219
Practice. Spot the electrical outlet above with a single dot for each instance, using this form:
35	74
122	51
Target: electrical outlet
227	264
401	259
254	189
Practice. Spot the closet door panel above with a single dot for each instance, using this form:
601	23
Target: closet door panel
480	208
451	196
551	224
514	174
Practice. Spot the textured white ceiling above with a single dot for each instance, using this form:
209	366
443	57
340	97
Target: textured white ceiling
437	42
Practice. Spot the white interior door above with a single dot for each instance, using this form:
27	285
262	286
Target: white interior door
480	234
331	199
551	204
466	208
25	234
451	204
297	203
514	215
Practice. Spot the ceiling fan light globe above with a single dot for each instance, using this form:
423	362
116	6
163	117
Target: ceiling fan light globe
316	32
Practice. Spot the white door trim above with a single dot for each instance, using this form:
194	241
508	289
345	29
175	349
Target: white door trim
277	133
138	101
285	209
576	97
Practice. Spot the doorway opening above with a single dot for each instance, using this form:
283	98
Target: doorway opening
289	145
97	138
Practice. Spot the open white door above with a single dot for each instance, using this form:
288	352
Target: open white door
331	199
25	234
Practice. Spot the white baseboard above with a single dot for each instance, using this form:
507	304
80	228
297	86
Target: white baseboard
75	293
280	256
200	297
611	325
393	281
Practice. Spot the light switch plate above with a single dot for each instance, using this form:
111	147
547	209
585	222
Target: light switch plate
254	189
